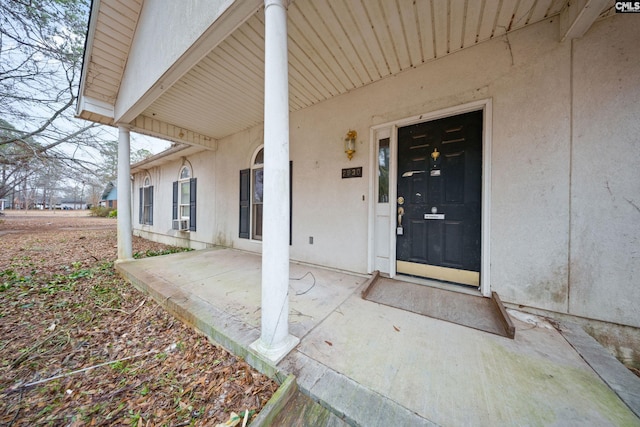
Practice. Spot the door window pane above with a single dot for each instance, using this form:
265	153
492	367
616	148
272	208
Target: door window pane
383	171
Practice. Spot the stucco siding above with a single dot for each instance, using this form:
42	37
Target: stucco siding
530	171
234	154
564	167
528	79
605	194
161	178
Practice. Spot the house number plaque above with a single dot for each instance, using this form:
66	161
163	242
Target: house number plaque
352	172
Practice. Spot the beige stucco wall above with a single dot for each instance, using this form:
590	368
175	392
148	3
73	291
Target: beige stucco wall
565	191
162	178
605	191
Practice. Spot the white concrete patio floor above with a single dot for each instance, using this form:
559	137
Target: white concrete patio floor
374	365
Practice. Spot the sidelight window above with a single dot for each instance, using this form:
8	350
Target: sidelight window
383	171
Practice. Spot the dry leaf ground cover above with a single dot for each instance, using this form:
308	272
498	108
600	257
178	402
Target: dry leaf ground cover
80	346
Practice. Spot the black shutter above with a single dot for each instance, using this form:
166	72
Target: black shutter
151	205
140	205
192	203
175	202
245	202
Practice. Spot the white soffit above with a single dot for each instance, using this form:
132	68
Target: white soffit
334	46
114	29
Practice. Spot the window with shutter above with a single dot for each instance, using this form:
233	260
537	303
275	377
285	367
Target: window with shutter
251	198
184	201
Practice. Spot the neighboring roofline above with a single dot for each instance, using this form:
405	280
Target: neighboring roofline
107	189
156	159
160	155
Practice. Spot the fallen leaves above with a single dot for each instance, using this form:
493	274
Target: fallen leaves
234	420
80	346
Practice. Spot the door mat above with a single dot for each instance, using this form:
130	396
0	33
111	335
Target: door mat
485	314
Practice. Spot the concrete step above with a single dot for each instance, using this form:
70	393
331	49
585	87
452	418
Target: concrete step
290	407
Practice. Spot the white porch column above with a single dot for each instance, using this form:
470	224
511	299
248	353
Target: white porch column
125	249
275	341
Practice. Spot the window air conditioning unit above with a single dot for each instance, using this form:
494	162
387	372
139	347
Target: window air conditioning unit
181	224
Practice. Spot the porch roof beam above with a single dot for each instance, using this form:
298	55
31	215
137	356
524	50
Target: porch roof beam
579	16
88	105
152	127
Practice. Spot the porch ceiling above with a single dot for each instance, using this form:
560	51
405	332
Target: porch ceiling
334	47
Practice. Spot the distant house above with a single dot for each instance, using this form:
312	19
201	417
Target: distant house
73	204
485	147
109	198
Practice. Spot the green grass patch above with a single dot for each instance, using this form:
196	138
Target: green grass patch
151	253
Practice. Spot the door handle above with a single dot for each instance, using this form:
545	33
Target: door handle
400	215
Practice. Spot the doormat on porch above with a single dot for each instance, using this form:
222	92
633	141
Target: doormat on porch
485	314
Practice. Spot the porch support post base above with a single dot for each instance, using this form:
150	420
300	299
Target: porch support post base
276	353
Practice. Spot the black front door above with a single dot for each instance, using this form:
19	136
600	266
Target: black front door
439	199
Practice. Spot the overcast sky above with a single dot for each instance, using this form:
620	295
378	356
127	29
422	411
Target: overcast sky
155	145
